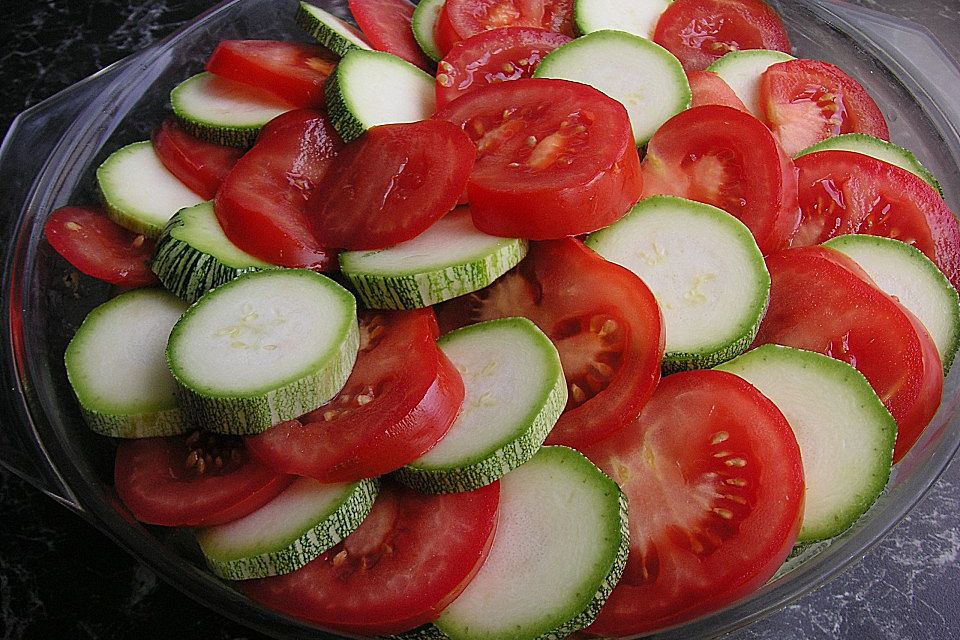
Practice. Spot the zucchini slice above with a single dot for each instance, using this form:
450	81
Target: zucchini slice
638	17
424	24
329	30
741	70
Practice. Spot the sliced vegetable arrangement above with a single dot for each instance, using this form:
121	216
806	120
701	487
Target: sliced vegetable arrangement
494	320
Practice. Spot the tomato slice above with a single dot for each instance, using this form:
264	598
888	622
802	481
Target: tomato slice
462	19
497	55
725	157
703	532
845	192
401	398
709	88
701	31
820	300
294	71
603	320
199	164
261	203
406	562
99	247
391	184
806	101
199	479
554	158
386	27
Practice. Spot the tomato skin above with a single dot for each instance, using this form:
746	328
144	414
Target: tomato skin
555	158
386	26
99	247
363	585
415	394
820	300
156	484
199	164
261	203
719	540
727	158
391	184
845	192
603	320
462	19
497	55
806	101
709	88
701	31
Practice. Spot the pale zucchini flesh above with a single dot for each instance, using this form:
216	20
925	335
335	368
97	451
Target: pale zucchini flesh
638	17
424	23
741	70
329	30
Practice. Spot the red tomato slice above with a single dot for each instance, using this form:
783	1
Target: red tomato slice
406	562
262	200
294	71
709	88
386	27
401	398
703	533
200	479
461	19
821	301
497	55
199	164
99	247
845	192
603	320
701	31
554	158
806	101
391	184
725	157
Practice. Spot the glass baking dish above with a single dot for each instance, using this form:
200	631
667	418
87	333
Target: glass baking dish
48	159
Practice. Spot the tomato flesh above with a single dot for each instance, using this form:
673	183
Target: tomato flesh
806	101
462	19
406	562
554	158
199	164
821	301
713	476
729	159
707	88
701	31
99	247
261	203
294	71
391	184
386	27
497	55
200	479
603	320
402	396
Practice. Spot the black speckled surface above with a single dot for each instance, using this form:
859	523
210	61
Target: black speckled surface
60	578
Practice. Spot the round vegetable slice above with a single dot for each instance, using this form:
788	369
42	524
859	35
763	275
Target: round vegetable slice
197	479
329	30
714	479
701	31
199	164
363	585
638	17
423	23
707	87
386	24
99	247
603	320
554	158
401	398
721	156
742	71
462	19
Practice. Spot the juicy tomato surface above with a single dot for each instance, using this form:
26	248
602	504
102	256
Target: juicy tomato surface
402	396
603	320
409	558
844	192
806	101
709	88
461	19
261	203
712	473
554	158
99	247
729	159
294	71
199	164
386	27
199	479
497	55
820	300
391	184
699	32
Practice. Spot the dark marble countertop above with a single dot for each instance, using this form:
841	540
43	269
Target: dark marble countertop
61	578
